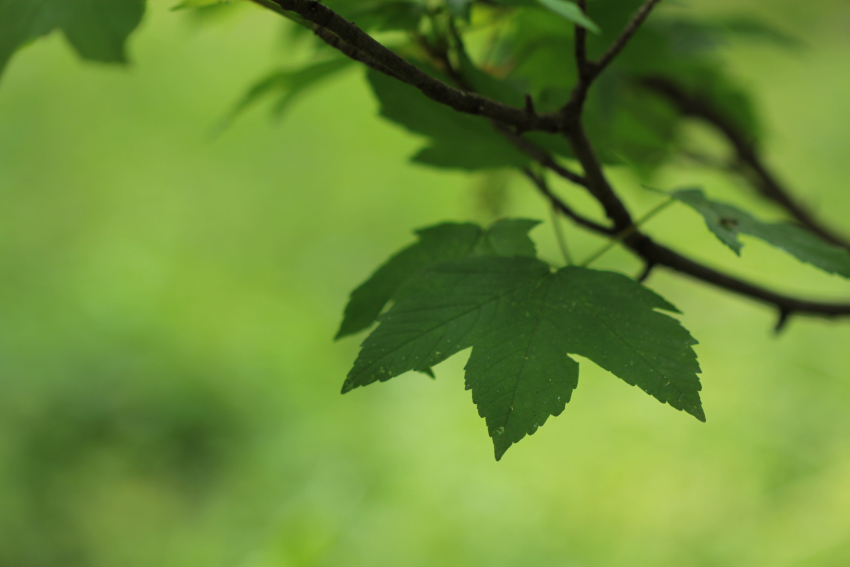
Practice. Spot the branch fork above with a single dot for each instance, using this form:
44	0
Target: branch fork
511	122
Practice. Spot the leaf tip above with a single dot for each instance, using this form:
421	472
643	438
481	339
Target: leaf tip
501	443
698	413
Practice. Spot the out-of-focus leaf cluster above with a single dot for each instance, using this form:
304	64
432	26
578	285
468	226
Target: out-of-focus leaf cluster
516	48
96	29
507	50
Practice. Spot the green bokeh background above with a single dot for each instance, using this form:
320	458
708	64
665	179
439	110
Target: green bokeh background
169	388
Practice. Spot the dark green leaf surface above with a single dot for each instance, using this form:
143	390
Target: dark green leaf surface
727	222
97	29
440	243
521	320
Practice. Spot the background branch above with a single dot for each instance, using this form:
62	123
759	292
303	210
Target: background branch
589	70
746	152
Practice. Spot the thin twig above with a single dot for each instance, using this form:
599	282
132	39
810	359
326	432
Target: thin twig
540	155
624	37
628	231
562	207
589	70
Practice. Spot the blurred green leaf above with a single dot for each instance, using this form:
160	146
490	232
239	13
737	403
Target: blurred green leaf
521	319
97	29
727	222
571	12
758	30
440	243
289	85
457	140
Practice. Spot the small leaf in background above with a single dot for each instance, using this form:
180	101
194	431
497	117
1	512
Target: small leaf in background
439	243
570	11
757	30
522	320
97	29
457	141
727	222
289	85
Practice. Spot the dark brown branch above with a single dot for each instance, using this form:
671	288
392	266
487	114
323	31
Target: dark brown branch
656	255
597	183
746	151
589	70
351	52
652	252
468	103
581	48
562	207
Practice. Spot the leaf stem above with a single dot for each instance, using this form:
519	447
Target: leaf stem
559	235
628	231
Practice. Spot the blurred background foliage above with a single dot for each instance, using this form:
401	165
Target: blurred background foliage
169	388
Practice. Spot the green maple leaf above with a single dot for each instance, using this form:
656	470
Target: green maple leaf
97	29
439	243
522	319
727	222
